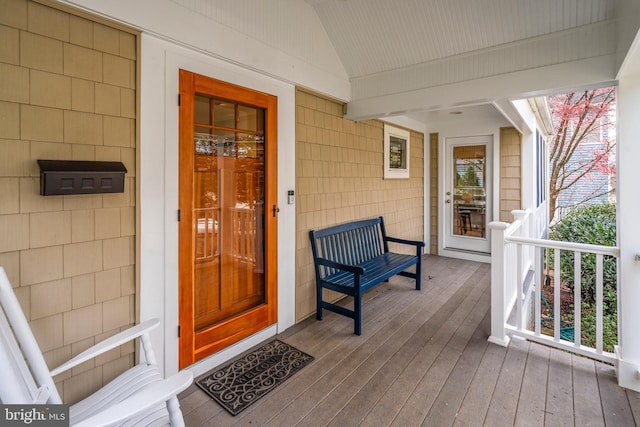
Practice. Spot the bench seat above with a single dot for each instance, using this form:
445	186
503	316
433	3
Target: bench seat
375	271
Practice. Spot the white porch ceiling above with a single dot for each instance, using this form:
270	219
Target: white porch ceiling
403	57
374	36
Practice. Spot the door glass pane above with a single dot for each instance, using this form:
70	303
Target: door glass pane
224	114
225	143
469	181
229	189
251	146
202	110
250	118
203	142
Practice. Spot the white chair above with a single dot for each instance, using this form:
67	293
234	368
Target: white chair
138	397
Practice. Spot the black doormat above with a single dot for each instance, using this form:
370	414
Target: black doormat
242	382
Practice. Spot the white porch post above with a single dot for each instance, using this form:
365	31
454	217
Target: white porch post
498	283
628	350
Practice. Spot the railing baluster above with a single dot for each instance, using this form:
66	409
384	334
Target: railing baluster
577	298
599	279
519	290
538	286
556	295
511	279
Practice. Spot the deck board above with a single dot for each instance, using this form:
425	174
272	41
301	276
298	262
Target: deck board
427	390
305	403
615	404
559	399
380	382
424	359
504	402
634	403
379	361
316	399
450	317
329	351
586	394
449	401
532	400
476	401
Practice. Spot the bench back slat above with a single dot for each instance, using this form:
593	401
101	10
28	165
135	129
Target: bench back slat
344	248
368	248
352	243
335	253
359	246
374	242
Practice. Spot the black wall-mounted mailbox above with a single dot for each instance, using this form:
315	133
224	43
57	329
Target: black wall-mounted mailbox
80	177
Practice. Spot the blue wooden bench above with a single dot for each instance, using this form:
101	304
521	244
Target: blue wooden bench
351	258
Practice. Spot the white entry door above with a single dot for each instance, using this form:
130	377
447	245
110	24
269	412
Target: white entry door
467	199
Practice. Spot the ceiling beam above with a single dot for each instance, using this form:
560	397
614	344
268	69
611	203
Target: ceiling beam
587	41
591	72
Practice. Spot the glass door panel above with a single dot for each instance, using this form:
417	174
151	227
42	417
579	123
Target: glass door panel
469	198
250	119
228	209
224	114
202	109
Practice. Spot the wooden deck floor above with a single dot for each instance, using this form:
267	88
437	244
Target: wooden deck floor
423	359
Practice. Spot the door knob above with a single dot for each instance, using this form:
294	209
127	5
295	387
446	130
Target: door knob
448	201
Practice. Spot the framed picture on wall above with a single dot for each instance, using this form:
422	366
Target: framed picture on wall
396	152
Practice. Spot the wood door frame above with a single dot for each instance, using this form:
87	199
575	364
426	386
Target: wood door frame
193	347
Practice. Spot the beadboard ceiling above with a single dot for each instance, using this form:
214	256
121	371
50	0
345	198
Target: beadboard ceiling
374	36
407	57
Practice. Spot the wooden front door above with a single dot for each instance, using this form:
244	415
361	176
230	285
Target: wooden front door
228	227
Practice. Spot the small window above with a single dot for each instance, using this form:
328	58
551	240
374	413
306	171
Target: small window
396	152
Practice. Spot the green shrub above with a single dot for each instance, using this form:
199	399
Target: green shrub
609	324
596	225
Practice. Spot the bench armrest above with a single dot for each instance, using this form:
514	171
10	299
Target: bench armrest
405	242
338	266
108	344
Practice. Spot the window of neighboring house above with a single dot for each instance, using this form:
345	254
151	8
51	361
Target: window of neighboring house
600	134
541	169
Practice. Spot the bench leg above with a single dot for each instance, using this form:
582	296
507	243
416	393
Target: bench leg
318	302
357	311
419	272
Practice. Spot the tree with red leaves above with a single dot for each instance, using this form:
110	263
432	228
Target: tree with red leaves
580	117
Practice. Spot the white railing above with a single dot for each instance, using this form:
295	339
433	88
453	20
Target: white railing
247	236
514	255
207	236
